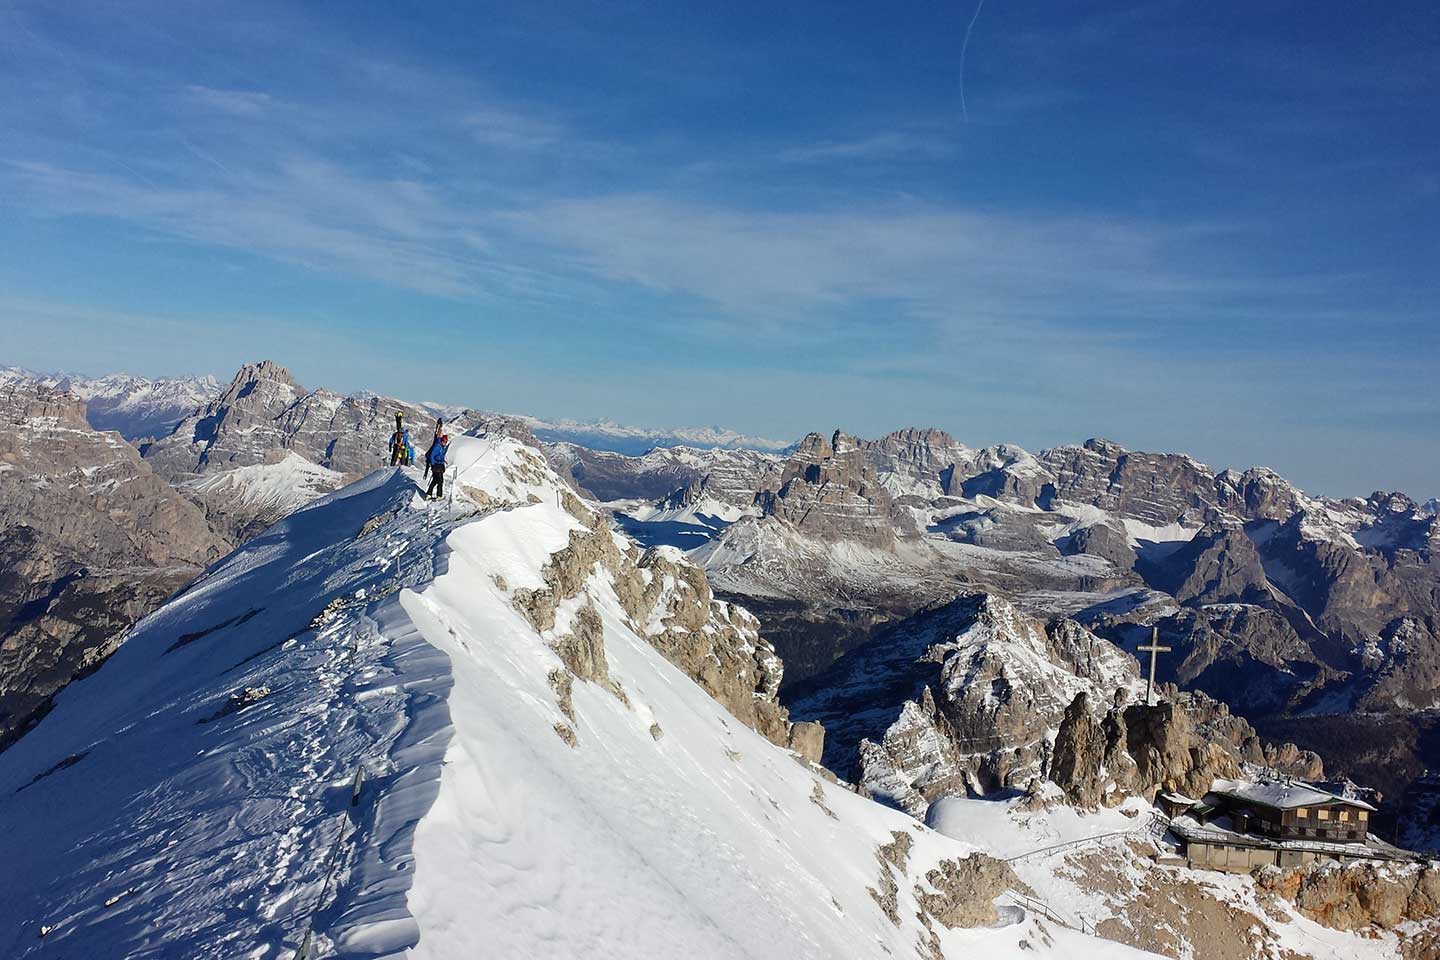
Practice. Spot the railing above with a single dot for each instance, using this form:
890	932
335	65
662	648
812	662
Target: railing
1043	909
331	862
1083	841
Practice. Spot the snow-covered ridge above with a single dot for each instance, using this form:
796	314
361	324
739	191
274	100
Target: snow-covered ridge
193	797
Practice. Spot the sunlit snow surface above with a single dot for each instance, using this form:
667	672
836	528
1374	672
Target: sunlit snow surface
149	816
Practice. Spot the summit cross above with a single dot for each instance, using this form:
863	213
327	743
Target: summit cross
1152	649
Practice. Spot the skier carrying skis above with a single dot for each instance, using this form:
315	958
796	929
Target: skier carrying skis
435	460
401	451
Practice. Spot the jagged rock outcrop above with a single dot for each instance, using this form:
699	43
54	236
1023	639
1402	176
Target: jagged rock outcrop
91	540
1183	743
829	490
264	412
1168	751
237	428
1258	494
669	602
965	890
962	698
1079	755
918	463
1218	565
1155	488
1358	895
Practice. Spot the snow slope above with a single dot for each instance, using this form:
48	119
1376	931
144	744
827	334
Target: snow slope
247	499
192	798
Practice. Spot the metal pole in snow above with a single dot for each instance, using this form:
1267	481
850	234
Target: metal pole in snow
355	789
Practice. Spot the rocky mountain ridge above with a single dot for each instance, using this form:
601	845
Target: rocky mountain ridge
974	697
1293	589
92	540
134	407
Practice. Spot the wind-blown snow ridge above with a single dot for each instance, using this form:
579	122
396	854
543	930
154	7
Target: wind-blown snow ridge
183	800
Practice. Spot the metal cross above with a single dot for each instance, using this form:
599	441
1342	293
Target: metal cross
1152	649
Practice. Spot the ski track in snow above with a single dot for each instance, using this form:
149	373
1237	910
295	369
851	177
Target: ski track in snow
206	833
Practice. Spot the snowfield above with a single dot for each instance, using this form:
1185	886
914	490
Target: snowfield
193	797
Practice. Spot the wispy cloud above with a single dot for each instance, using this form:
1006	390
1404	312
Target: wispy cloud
509	129
238	103
889	145
926	261
305	212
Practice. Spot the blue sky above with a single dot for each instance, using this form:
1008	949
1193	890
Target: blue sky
1184	226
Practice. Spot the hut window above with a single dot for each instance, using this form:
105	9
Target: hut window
1344	814
1323	814
1302	812
1362	816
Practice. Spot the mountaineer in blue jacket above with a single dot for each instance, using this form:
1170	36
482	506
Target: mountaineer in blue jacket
435	460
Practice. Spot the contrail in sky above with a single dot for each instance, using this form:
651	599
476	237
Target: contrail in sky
963	47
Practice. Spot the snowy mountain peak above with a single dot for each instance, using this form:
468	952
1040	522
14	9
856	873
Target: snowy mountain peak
134	407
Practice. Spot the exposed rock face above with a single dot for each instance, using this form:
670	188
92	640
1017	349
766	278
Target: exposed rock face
1006	472
1353	585
958	894
962	698
1358	895
1079	757
1247	654
829	490
1257	493
91	540
917	463
1219	565
263	413
730	476
134	407
966	890
1168	751
1156	488
670	603
1106	539
235	429
1182	744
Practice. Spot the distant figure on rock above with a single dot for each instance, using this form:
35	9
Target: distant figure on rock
435	460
